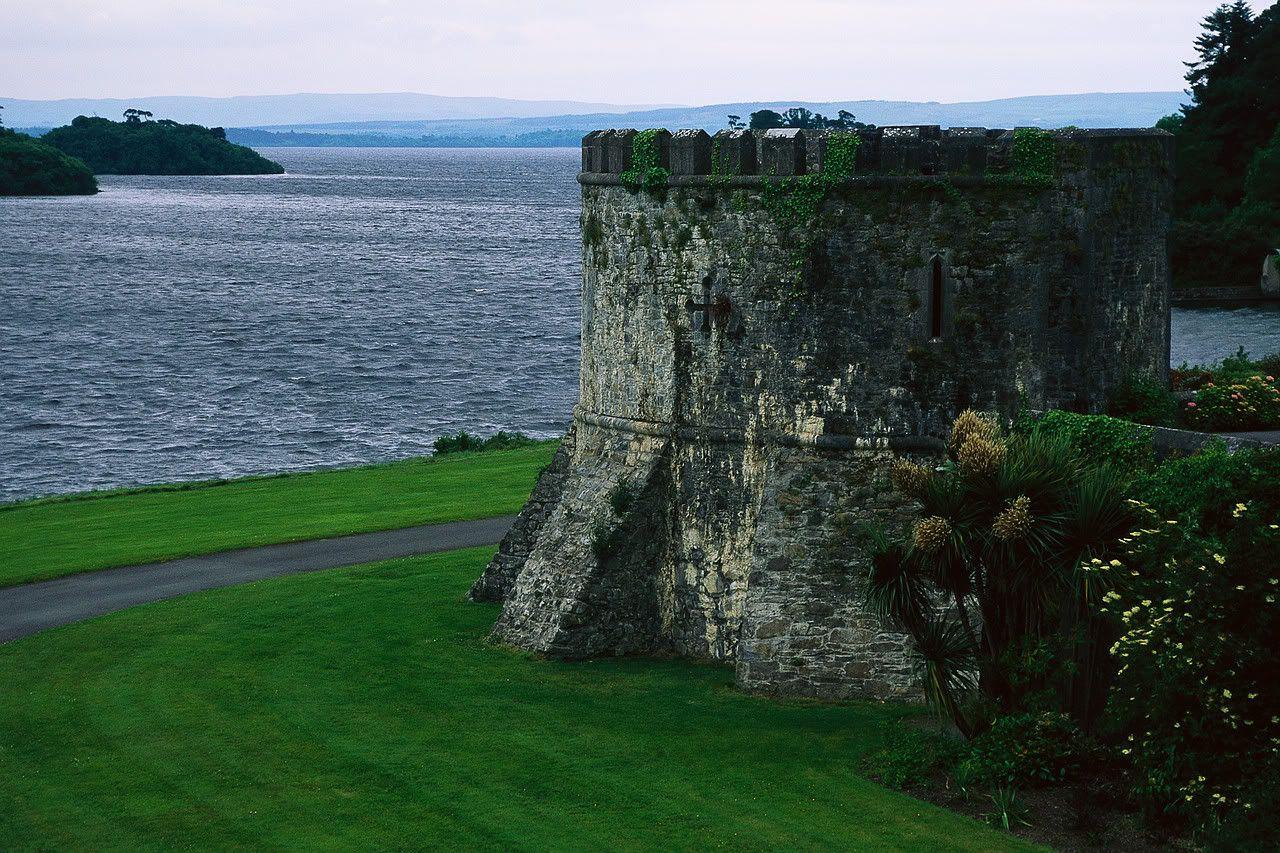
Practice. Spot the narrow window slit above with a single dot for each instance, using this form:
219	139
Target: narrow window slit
935	299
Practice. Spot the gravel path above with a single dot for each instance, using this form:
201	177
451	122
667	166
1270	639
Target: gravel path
34	607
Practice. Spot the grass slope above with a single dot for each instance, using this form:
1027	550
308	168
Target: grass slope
62	536
362	708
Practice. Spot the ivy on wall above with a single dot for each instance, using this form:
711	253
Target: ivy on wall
645	172
796	201
1033	157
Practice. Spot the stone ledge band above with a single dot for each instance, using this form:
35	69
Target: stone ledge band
733	435
610	179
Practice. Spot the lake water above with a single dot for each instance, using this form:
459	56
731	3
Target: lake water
349	311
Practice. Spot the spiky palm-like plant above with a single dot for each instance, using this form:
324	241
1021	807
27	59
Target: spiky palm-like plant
989	582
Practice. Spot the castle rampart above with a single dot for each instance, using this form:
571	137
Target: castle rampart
767	318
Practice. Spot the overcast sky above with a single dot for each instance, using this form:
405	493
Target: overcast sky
625	51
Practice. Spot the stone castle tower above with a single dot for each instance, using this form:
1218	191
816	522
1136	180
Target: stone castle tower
767	318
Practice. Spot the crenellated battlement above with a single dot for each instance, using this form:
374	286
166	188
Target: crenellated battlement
926	150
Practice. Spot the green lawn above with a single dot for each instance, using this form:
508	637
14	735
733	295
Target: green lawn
361	708
61	536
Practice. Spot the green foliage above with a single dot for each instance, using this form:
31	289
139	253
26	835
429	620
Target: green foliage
31	167
1226	202
1006	524
1210	248
1252	403
593	231
607	539
622	497
802	118
1235	394
1024	750
465	442
645	172
1100	439
608	532
795	202
1145	400
156	148
1010	810
720	170
1200	491
911	757
1233	368
1255	829
1034	155
1195	700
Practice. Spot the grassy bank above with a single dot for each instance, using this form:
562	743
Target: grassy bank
361	708
61	536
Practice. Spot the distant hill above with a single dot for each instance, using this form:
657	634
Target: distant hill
256	110
30	167
1102	109
139	147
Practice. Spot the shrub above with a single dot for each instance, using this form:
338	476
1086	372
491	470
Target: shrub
1024	749
1145	400
1269	364
910	757
607	532
1195	700
1253	829
1234	367
1006	523
465	442
1100	439
1200	490
606	539
1251	403
1010	810
1187	378
622	498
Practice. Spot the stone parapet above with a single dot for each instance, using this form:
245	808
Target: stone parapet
895	150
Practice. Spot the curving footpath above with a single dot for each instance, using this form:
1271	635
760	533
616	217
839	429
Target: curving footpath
35	607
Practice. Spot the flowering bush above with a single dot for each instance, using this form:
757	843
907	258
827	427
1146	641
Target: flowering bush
1195	697
1250	403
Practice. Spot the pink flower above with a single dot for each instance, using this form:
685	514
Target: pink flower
1235	396
1271	379
1191	405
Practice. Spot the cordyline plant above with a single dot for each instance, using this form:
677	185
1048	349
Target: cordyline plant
988	582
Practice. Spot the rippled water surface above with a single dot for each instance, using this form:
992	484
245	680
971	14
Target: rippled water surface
349	311
1206	335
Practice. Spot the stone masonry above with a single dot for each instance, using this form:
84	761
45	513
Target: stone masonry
746	378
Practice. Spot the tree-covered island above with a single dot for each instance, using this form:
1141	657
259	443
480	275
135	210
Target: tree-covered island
140	145
30	167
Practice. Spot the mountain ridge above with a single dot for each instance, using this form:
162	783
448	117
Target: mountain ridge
299	107
1090	109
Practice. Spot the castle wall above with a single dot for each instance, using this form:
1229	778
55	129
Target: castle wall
751	376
